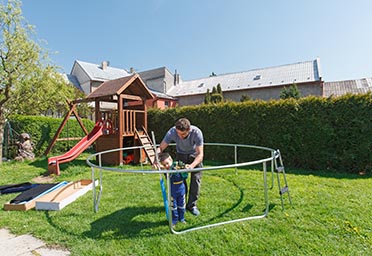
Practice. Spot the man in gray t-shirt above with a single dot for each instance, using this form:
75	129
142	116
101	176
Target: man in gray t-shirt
190	150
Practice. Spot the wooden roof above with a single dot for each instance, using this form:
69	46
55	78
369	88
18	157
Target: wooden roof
129	85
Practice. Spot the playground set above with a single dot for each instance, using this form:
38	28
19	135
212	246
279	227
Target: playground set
121	121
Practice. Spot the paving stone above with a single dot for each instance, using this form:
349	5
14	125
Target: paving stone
25	245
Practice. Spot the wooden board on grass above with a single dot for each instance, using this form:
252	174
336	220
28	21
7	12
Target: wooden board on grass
25	206
64	196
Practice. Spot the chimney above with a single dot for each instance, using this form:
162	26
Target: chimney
176	77
131	70
105	64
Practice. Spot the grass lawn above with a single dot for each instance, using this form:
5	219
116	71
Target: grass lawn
330	215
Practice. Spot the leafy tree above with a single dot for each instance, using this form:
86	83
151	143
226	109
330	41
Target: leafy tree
207	98
219	89
214	97
290	92
214	90
27	84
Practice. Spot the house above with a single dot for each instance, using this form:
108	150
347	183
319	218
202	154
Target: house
339	88
88	76
263	83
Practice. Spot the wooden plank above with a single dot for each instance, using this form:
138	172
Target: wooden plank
64	196
31	204
68	139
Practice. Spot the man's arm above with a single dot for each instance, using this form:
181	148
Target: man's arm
199	155
163	145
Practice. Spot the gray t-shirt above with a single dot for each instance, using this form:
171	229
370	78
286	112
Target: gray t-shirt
187	145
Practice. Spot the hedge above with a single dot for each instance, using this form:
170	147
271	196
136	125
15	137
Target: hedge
42	130
312	133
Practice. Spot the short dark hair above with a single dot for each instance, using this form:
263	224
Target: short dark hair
163	156
183	124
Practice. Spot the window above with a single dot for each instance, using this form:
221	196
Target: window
257	77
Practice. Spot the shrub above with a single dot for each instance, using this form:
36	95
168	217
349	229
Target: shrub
312	132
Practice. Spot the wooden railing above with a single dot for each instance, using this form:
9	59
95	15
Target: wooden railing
133	119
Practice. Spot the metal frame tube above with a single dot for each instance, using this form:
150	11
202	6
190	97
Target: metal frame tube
271	159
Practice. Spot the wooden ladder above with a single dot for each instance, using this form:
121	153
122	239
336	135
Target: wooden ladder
147	144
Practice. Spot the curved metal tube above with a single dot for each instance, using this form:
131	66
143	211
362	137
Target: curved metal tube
273	155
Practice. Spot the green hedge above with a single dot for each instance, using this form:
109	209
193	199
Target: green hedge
311	133
42	129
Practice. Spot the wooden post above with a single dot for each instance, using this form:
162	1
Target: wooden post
121	126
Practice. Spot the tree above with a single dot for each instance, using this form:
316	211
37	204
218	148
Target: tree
290	92
217	95
207	98
214	97
25	78
219	89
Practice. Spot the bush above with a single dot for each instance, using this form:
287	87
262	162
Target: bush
311	133
42	130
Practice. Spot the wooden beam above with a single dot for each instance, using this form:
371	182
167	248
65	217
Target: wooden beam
130	97
59	130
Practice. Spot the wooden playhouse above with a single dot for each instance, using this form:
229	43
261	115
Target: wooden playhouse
120	104
123	101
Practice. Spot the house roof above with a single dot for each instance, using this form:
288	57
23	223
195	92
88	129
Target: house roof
339	88
154	73
97	73
131	85
162	95
73	80
301	72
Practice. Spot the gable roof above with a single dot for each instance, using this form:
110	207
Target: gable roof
301	72
97	73
73	80
339	88
162	95
154	73
131	85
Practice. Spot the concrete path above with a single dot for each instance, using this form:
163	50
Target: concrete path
25	245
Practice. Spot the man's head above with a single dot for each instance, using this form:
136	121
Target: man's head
183	127
166	160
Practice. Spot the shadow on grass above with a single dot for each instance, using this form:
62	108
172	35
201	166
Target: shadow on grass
124	224
43	164
118	225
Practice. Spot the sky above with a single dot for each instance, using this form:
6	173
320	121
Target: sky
198	37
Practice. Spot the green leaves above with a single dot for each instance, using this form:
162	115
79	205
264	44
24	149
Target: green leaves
312	132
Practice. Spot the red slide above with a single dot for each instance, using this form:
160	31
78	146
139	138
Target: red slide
53	162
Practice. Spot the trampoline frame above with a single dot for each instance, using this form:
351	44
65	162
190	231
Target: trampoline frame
274	154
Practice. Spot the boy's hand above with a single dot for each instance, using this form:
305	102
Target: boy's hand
156	166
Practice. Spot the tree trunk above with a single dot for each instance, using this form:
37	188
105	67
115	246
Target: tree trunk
2	125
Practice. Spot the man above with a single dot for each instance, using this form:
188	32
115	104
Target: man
190	150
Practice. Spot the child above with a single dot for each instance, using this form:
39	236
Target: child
178	188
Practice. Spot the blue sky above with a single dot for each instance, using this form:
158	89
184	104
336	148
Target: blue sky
198	37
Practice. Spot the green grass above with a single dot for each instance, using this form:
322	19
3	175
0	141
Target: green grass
330	215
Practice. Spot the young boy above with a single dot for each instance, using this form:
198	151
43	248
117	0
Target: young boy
178	188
